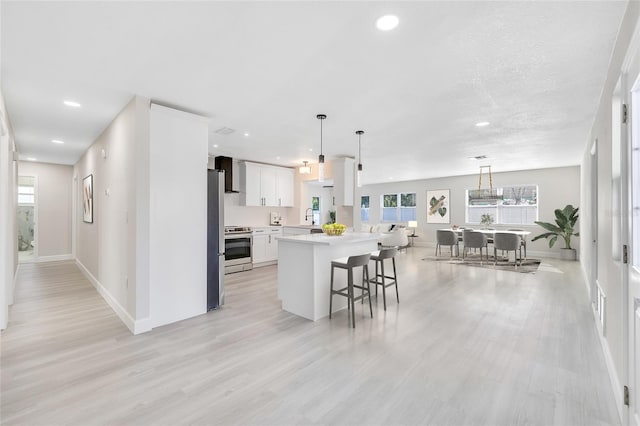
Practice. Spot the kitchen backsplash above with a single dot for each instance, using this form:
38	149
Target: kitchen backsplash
235	214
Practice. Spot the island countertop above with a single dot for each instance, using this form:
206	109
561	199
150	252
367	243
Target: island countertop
330	240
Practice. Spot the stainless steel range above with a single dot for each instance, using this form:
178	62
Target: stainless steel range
237	249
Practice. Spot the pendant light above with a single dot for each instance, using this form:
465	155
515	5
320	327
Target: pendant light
321	157
359	174
306	169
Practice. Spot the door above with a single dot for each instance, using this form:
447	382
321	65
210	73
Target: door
251	188
631	214
633	252
260	241
268	186
285	187
26	219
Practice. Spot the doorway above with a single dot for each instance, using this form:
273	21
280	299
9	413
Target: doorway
26	219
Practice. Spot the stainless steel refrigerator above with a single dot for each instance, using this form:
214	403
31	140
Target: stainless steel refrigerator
215	239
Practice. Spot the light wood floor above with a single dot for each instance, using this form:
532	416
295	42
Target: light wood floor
464	346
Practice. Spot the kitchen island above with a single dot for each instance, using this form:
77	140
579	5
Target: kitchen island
304	270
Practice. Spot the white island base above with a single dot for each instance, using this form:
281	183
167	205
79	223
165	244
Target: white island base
304	270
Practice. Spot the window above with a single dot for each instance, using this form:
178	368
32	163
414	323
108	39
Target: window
26	195
508	205
392	211
364	208
315	209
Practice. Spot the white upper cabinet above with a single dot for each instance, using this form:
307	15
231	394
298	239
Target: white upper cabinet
264	185
250	194
285	185
343	181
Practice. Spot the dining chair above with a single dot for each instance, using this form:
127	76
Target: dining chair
523	240
447	238
474	239
507	241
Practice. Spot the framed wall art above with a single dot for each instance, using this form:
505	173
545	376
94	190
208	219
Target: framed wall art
87	199
438	206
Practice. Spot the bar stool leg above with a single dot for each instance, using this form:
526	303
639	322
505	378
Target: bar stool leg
331	293
365	270
351	297
376	279
395	277
384	286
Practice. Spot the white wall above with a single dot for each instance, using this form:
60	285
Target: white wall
178	219
8	227
54	187
608	268
107	249
557	187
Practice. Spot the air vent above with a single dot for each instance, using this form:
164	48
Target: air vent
224	131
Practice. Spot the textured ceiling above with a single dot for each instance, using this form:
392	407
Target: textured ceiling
534	70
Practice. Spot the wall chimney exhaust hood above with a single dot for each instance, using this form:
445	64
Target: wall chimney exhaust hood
226	164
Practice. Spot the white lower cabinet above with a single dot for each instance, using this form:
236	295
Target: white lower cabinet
265	245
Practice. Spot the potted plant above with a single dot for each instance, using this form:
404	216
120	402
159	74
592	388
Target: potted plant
486	220
564	228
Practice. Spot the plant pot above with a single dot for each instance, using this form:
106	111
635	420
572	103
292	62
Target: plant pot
568	254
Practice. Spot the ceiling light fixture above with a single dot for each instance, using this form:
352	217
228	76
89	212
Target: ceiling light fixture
387	22
246	134
305	170
57	141
31	159
482	124
359	173
321	117
215	145
72	104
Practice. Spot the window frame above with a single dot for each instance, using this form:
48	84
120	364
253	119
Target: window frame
399	207
500	208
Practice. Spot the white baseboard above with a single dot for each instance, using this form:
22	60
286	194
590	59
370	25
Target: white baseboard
55	258
113	303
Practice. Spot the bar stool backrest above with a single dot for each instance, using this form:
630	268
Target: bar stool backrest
359	260
387	253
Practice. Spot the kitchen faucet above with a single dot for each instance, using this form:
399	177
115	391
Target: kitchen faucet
309	213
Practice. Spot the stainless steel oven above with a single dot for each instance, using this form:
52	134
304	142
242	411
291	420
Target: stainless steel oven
237	249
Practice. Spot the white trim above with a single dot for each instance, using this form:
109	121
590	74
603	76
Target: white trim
136	327
587	284
54	258
611	369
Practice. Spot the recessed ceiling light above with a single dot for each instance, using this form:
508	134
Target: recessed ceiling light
246	133
215	145
278	157
310	149
56	141
387	22
482	124
31	158
391	178
72	104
